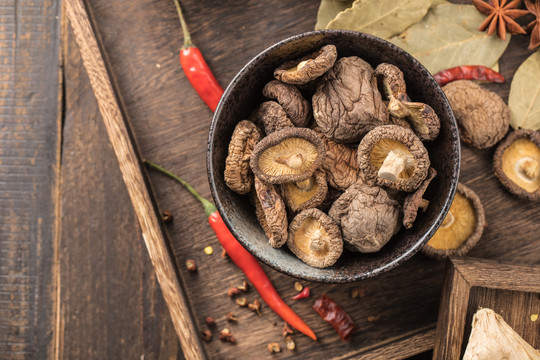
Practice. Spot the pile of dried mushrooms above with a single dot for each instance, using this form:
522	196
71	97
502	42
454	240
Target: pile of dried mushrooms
344	170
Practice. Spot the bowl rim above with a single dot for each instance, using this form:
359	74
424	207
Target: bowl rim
345	278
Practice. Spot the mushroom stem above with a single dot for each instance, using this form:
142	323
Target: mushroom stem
394	163
397	108
424	204
317	243
294	161
307	184
528	168
448	220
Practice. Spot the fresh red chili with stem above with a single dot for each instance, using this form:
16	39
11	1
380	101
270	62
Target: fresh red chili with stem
302	294
331	312
468	72
196	69
243	259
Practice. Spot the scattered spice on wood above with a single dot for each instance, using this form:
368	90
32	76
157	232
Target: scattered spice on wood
287	330
298	287
534	317
244	287
224	254
208	250
334	314
230	317
167	217
233	291
210	322
289	342
226	335
500	17
373	318
304	294
241	302
468	72
191	265
206	335
273	348
358	293
256	307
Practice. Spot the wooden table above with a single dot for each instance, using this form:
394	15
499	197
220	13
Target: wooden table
75	278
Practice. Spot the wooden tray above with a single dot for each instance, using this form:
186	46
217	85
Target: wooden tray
511	290
141	41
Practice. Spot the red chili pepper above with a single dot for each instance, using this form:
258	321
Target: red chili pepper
244	260
468	72
330	311
302	294
196	69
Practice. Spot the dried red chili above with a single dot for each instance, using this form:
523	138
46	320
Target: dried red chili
468	72
196	69
302	294
331	312
243	259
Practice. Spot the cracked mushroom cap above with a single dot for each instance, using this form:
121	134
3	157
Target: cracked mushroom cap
368	217
273	117
238	175
517	164
306	194
340	163
307	68
315	238
416	200
271	212
347	103
288	155
394	157
482	116
291	100
461	228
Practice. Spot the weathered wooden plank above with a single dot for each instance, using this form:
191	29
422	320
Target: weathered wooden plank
29	164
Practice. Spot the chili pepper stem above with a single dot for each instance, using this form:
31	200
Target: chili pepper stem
209	208
187	36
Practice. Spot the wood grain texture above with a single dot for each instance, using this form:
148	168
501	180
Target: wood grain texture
471	284
170	122
30	120
133	176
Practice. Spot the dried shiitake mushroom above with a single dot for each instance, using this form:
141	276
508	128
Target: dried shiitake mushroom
271	212
315	238
492	339
238	175
394	157
307	68
368	217
482	116
306	194
288	96
347	103
391	82
461	228
340	163
416	200
288	155
423	119
273	117
517	164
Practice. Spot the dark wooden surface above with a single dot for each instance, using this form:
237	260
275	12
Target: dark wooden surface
79	280
511	290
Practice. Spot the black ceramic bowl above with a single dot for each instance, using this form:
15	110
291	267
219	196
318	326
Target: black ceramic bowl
243	95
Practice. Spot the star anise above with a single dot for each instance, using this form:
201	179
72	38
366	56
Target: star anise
534	26
500	16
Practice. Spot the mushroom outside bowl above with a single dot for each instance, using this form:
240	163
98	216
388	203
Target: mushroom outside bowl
243	96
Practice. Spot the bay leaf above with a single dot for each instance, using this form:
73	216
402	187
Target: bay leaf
524	98
448	37
382	18
328	10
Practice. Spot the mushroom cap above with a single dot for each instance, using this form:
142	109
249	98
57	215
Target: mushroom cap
482	116
289	97
271	212
425	122
238	175
368	217
347	103
273	117
517	163
385	140
307	68
461	228
415	200
288	155
315	238
308	194
390	81
340	163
